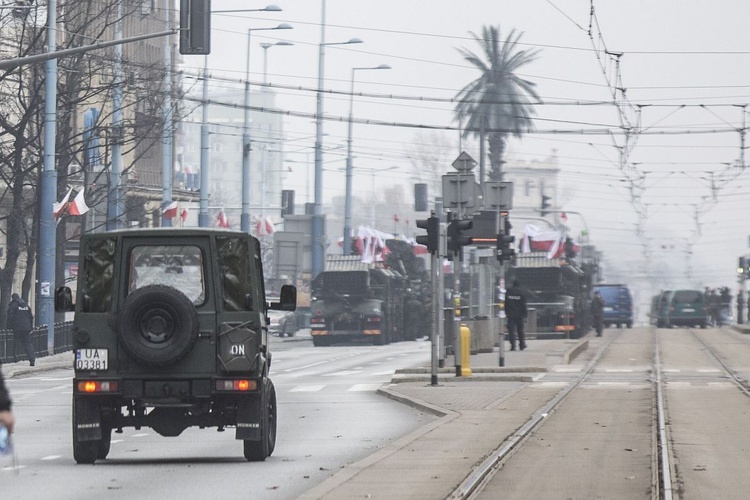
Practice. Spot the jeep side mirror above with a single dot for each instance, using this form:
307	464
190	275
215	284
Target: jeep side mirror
287	299
64	299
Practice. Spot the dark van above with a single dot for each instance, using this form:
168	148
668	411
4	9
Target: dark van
618	305
660	309
687	308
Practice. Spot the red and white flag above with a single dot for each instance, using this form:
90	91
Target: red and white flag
264	227
184	214
170	211
222	219
78	206
564	217
59	207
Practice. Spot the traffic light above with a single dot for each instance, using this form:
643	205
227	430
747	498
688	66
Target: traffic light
505	249
432	239
742	267
195	27
456	237
545	204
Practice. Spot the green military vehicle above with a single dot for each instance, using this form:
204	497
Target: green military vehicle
171	331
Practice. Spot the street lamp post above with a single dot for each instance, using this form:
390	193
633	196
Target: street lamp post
266	46
317	218
245	216
348	196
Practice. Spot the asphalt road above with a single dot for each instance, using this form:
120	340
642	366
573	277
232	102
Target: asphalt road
329	416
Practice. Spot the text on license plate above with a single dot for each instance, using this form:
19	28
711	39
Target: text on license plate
688	310
91	359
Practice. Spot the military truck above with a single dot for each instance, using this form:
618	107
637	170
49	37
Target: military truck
354	301
558	290
171	331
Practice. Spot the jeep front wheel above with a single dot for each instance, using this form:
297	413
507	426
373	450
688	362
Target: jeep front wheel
157	325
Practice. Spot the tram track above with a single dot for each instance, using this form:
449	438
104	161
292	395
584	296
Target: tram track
473	484
667	473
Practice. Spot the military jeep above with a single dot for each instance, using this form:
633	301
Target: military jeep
171	331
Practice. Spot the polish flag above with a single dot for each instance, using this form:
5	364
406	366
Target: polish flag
59	208
78	207
170	211
184	214
222	219
264	227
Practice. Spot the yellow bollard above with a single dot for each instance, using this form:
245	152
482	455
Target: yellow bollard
465	351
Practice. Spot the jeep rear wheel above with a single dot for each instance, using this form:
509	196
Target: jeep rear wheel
84	452
157	325
257	451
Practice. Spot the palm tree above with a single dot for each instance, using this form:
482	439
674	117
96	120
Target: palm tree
498	103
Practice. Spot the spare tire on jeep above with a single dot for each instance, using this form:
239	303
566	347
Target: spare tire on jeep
157	325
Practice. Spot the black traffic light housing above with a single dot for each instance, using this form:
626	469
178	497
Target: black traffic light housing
432	239
545	204
505	249
456	237
195	27
742	267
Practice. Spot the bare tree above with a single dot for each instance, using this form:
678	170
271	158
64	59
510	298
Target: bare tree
84	83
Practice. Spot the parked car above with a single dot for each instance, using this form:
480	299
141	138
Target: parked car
618	305
687	308
281	324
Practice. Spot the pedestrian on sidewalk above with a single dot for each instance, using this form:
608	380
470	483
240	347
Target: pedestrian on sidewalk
21	322
515	313
597	310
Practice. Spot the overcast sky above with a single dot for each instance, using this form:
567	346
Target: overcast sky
674	53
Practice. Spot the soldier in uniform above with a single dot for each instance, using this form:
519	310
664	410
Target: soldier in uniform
597	310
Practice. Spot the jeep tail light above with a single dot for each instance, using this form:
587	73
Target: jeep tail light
94	386
240	385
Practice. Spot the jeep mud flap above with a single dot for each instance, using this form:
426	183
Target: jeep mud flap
248	418
87	415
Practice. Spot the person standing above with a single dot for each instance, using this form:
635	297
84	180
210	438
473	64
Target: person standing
597	310
413	319
515	314
21	322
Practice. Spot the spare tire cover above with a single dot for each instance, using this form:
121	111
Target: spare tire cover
157	325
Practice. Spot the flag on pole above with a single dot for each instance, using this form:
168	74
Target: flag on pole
222	219
264	227
170	211
184	214
59	207
78	206
564	217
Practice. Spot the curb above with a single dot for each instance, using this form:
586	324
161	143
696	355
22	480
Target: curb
575	351
12	372
475	377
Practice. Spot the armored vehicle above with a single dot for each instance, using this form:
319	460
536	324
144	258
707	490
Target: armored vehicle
171	331
357	304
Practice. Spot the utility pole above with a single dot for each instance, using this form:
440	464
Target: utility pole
167	167
48	188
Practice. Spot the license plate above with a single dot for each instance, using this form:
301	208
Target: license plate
689	310
92	359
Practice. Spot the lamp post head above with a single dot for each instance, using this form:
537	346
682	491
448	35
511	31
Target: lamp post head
271	8
354	40
284	26
384	66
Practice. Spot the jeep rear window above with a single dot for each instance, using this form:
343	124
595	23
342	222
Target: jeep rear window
178	266
99	276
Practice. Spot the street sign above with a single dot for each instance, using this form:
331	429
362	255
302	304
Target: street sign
498	195
459	191
464	162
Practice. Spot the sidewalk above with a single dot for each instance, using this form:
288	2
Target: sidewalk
477	413
47	363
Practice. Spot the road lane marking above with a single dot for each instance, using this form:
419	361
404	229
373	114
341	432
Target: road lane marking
51	457
307	388
364	387
343	373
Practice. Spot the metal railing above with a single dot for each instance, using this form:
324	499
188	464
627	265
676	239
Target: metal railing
11	352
